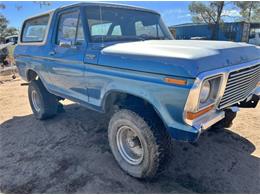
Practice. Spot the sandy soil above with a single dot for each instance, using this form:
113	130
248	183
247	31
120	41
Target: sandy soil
70	154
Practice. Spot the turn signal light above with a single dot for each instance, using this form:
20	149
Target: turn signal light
175	81
192	116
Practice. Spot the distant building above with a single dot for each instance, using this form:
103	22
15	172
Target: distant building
235	31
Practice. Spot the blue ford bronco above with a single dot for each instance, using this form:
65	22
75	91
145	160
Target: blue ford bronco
122	60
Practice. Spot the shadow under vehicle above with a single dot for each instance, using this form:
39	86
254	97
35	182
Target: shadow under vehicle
70	154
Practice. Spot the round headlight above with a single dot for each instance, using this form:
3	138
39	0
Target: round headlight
205	92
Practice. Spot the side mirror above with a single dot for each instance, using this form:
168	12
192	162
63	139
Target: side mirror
65	43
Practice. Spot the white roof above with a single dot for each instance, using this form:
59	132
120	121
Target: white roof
95	3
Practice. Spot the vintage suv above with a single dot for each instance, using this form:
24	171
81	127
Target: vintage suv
123	60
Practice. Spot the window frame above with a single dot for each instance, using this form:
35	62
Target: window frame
20	42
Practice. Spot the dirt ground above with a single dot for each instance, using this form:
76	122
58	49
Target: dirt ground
70	154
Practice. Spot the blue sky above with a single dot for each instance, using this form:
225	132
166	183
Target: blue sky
175	12
172	12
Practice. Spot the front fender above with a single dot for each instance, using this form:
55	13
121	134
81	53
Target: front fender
167	99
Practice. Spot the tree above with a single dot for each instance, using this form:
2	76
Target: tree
209	13
19	7
5	30
249	10
3	24
42	3
10	31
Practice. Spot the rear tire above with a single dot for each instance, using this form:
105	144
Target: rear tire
146	148
44	104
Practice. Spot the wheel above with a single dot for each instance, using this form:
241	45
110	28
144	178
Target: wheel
227	121
44	104
137	147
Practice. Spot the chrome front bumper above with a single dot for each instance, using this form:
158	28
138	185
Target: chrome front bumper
209	119
216	118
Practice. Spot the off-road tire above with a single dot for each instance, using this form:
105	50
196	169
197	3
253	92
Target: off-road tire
48	102
227	121
152	136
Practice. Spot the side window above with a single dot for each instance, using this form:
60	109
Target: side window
70	29
34	30
100	29
150	30
117	31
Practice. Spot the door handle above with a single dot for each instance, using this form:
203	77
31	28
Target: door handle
90	56
52	53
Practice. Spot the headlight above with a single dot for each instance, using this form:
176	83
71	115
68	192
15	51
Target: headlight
205	91
203	96
209	91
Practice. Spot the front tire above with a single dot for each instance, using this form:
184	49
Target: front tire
138	147
44	104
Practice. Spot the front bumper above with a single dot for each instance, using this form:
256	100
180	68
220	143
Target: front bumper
192	133
185	132
209	119
204	122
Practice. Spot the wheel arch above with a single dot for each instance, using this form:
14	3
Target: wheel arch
34	75
31	75
118	97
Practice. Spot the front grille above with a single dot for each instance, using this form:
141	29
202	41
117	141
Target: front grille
239	85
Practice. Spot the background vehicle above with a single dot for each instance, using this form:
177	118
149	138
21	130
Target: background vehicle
254	37
123	60
12	39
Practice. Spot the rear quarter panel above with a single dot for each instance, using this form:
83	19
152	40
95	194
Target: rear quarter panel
29	57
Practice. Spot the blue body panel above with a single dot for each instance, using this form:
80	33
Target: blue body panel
71	74
90	84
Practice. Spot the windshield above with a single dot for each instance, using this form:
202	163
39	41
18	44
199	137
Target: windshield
120	24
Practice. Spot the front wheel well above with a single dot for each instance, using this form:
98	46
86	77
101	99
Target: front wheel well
120	100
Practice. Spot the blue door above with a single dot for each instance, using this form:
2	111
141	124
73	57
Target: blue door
67	69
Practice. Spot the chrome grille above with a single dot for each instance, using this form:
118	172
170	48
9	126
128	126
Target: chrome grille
239	85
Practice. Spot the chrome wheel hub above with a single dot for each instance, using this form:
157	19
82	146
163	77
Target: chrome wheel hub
36	101
129	145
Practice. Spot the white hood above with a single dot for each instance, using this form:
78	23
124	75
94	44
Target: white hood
178	57
188	49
